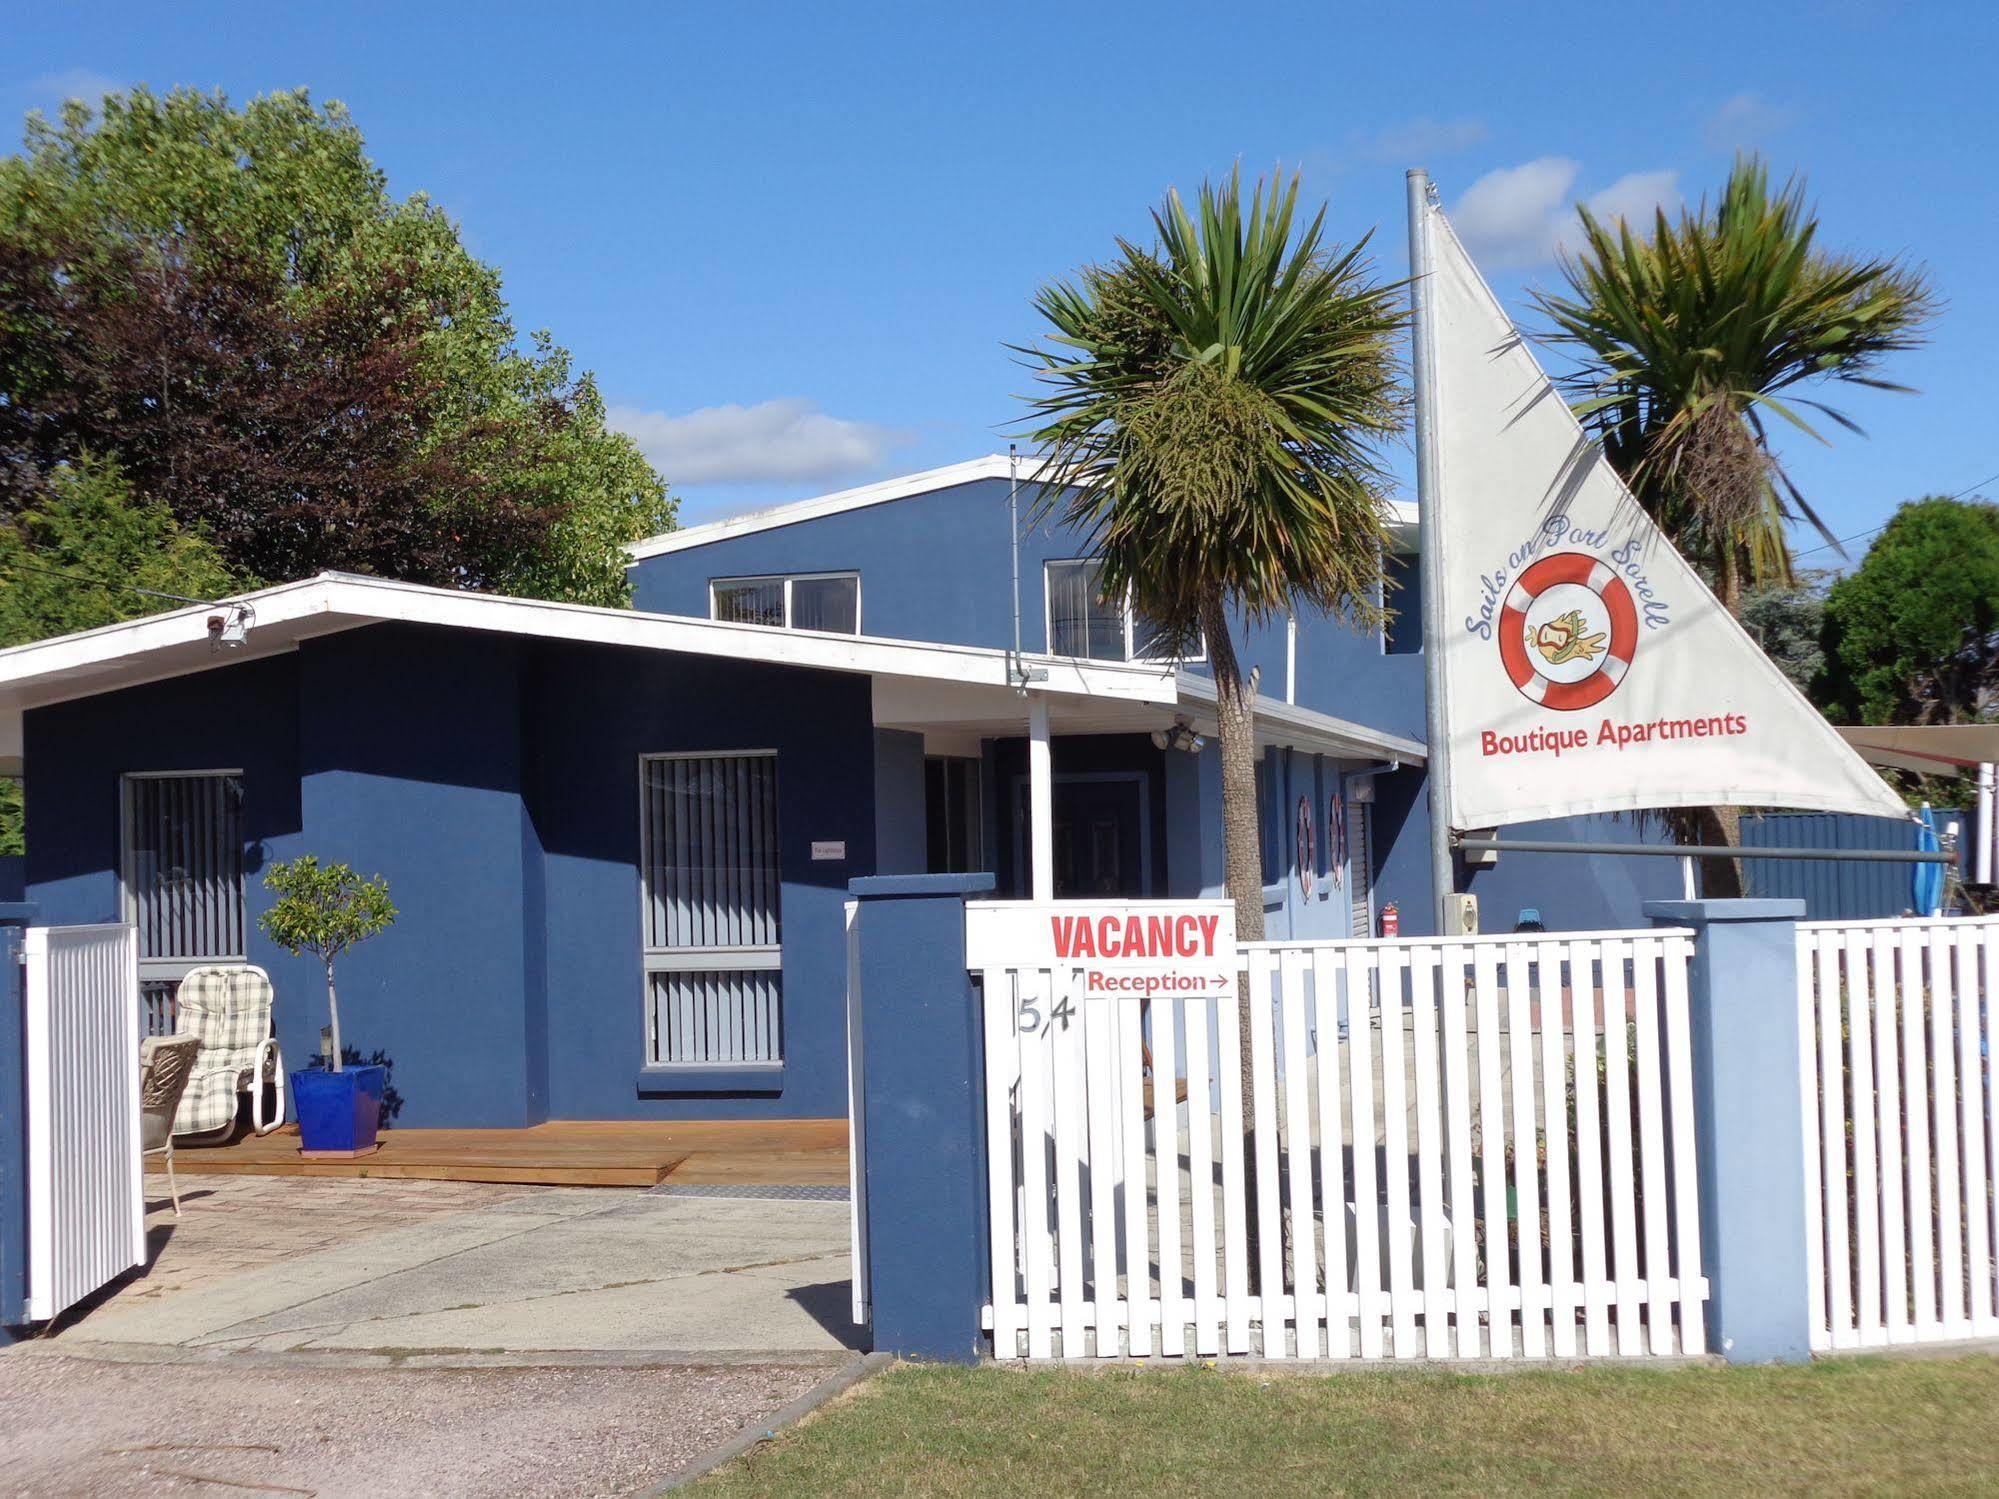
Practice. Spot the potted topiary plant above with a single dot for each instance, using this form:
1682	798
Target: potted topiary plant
324	909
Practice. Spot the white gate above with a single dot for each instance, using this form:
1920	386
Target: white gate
1455	1156
86	1209
1902	1176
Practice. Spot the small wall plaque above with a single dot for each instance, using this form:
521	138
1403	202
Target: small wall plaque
829	850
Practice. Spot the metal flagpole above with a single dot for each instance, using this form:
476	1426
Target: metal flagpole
1430	531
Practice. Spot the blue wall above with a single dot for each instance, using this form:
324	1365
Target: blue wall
13	878
494	781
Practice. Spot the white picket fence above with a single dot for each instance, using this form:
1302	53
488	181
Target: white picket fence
1902	1193
1455	1156
86	1211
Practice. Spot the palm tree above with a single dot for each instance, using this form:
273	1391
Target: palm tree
1213	410
1689	341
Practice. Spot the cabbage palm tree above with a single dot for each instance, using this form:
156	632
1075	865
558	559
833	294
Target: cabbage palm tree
1689	343
1213	410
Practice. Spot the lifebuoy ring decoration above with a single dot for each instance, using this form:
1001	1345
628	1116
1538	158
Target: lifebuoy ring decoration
1585	692
1307	845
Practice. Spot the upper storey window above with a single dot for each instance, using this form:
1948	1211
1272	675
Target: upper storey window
799	601
1081	623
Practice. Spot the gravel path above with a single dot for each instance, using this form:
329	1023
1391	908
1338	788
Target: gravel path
72	1426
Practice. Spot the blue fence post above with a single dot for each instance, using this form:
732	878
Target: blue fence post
1749	1119
924	1072
13	1128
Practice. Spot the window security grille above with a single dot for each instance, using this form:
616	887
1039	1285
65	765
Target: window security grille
183	869
709	862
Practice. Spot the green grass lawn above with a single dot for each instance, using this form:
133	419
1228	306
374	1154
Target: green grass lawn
1851	1426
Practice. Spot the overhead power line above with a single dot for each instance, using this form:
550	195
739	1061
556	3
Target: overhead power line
1863	535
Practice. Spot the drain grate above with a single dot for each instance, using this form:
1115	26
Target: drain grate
765	1194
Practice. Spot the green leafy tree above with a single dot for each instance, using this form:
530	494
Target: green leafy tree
1213	409
1912	634
1689	342
324	909
1787	619
313	374
84	524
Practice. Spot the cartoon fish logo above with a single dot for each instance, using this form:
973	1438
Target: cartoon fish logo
1562	640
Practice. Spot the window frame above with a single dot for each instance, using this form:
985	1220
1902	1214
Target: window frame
1129	615
757	957
787	579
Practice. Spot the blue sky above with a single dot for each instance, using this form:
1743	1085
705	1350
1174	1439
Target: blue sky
792	240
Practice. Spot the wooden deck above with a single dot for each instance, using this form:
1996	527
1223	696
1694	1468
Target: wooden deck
574	1153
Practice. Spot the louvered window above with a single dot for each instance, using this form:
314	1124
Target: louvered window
183	869
709	859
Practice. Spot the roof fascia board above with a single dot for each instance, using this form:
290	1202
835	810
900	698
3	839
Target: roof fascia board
991	466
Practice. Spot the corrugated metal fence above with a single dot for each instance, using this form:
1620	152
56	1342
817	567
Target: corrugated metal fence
1832	890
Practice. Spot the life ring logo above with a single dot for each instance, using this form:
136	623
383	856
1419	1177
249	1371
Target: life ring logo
1568	631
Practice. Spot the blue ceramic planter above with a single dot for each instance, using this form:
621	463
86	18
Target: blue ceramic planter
338	1111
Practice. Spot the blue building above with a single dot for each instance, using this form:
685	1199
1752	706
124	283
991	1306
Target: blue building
620	840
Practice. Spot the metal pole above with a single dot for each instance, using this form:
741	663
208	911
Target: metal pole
1429	519
1040	800
1982	836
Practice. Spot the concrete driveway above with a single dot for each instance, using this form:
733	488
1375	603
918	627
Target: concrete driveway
272	1265
384	1339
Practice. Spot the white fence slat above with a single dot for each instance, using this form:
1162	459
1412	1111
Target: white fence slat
1332	1153
1072	1140
1492	1153
1974	960
1306	1299
1652	1145
1404	1299
1916	1132
1526	1164
1818	1330
1269	1208
1235	1200
1866	1158
1831	1135
1434	1228
1002	1086
1589	1142
1951	1320
1129	1020
1622	1171
1462	1180
1677	954
1201	1183
1166	1156
1100	1063
1371	1287
1035	1123
1580	992
1888	1135
1987	1104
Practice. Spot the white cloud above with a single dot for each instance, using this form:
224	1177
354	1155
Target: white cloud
772	440
1415	140
1748	119
1520	216
1513	216
74	83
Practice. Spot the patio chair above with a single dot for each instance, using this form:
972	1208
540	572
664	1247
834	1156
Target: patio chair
229	1009
165	1063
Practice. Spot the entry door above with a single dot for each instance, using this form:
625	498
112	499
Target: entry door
183	877
1103	845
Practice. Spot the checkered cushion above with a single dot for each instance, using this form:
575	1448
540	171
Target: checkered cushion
230	1010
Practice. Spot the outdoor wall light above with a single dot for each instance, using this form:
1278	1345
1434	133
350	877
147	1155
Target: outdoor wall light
1181	737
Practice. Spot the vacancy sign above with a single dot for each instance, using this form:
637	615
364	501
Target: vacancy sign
1128	949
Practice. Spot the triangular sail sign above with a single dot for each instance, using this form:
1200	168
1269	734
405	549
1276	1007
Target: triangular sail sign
1585	665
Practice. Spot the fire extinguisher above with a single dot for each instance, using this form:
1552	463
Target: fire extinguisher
1391	920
